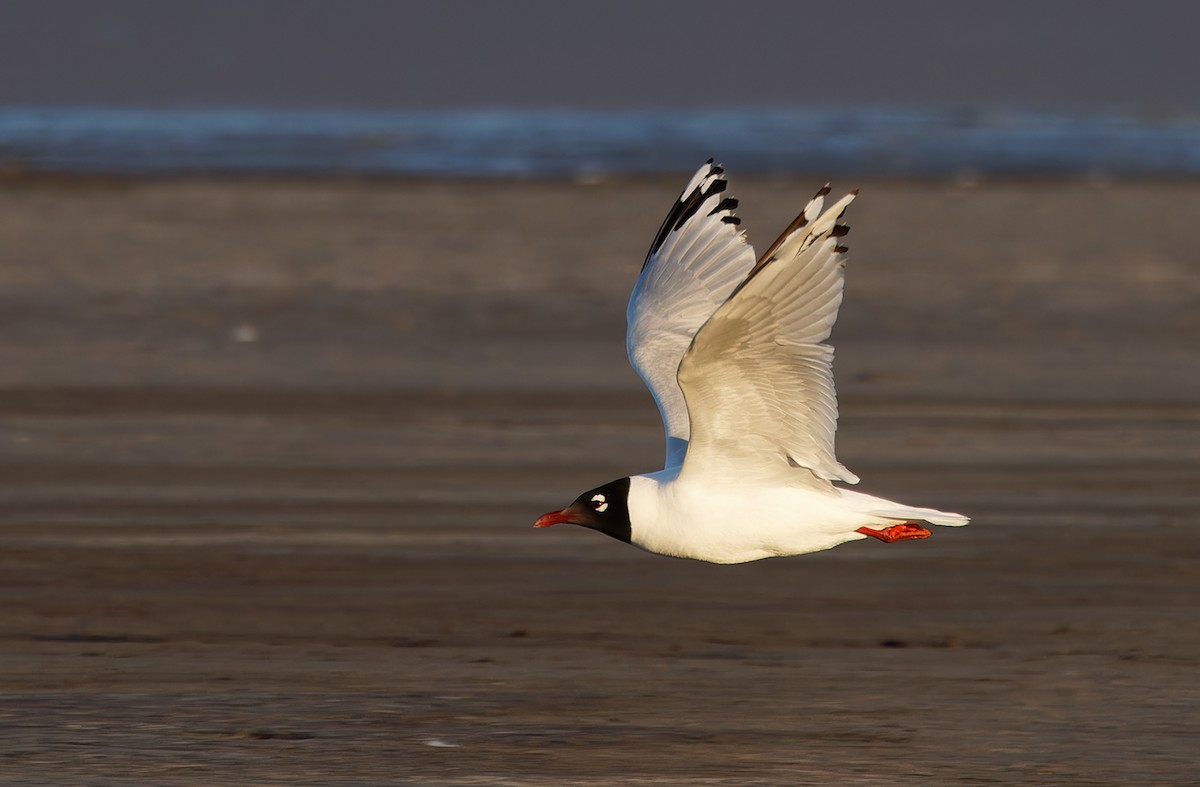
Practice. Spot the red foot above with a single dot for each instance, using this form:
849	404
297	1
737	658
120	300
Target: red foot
894	533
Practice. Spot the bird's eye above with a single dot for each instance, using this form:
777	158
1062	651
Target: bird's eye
599	504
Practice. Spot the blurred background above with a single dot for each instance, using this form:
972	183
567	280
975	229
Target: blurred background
307	310
537	88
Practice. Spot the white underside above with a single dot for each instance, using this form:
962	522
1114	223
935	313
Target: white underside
737	524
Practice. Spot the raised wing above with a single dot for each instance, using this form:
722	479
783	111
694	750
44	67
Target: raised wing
757	379
697	259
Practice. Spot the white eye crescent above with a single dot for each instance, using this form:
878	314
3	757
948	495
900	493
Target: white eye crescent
599	503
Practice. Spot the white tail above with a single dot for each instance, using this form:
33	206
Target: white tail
887	509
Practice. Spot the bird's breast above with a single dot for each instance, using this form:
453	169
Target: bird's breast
732	525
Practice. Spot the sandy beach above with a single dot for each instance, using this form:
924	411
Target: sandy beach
272	450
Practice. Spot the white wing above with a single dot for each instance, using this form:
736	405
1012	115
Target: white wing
696	260
758	380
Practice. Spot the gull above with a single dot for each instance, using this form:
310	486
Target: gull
732	347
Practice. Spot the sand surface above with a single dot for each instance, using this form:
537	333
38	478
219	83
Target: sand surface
271	452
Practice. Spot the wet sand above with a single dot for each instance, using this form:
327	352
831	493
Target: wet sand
271	452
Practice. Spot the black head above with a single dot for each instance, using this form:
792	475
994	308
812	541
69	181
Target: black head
605	508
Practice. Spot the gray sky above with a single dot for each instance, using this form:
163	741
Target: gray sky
618	53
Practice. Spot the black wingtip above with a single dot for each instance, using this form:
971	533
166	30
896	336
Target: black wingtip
688	205
729	203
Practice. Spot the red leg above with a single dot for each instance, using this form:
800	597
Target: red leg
889	535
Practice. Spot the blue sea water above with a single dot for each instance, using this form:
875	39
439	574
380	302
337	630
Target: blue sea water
861	141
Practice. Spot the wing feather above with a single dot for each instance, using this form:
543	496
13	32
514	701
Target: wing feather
757	377
698	257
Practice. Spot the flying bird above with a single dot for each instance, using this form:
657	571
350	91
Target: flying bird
733	349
